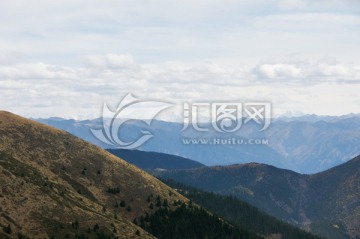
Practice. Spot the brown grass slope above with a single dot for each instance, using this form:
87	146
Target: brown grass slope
50	180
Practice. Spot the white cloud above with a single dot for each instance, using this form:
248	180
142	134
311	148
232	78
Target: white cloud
53	57
9	57
157	31
303	72
278	71
291	4
43	90
36	71
112	61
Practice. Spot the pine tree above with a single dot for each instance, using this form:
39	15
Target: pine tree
96	227
158	201
128	208
7	229
75	224
165	203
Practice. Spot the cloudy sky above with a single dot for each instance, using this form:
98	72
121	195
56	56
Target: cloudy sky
65	58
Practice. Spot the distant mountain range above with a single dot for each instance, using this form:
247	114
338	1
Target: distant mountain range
305	144
55	185
314	117
241	214
153	160
326	203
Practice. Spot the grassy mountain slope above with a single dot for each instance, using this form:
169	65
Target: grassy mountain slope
153	160
54	185
326	203
51	179
261	185
241	213
335	196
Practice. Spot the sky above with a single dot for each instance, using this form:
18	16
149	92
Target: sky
66	58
